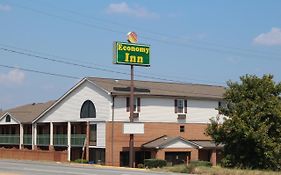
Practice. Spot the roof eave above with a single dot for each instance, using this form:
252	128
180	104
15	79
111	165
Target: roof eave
59	100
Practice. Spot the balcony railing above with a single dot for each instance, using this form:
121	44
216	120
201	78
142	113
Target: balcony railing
60	139
43	139
9	139
27	139
78	139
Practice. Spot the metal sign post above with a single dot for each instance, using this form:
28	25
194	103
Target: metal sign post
131	143
132	38
131	54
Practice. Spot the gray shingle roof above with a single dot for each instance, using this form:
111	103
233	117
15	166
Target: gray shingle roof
161	88
27	113
164	140
207	144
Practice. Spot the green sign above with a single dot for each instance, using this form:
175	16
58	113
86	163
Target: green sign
132	54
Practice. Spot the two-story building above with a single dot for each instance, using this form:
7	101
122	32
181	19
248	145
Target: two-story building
91	121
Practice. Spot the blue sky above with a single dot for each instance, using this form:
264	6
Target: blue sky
206	42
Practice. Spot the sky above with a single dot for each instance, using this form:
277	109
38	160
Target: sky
191	41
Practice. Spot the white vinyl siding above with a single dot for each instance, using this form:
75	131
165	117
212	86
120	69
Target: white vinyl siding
3	121
161	109
101	135
69	108
179	144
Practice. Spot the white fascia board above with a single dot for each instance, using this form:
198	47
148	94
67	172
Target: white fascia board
7	113
66	94
60	99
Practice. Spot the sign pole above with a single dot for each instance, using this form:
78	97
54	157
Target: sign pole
131	144
131	54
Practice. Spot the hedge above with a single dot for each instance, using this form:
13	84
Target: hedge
154	163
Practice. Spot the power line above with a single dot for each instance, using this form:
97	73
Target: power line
143	74
73	12
39	72
232	50
37	56
103	81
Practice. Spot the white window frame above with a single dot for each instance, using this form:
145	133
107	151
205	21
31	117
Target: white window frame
180	110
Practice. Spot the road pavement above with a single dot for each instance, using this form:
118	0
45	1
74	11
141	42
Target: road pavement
16	167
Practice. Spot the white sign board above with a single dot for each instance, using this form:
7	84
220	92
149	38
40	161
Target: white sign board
133	128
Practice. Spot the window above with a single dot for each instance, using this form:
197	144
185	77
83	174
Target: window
93	135
182	128
137	104
88	110
180	106
222	104
8	118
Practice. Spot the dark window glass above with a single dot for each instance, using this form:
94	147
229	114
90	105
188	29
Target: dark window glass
137	104
8	118
88	110
181	128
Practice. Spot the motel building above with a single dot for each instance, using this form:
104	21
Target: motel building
91	121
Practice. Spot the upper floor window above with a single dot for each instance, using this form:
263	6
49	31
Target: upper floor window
137	104
180	106
222	104
8	118
88	110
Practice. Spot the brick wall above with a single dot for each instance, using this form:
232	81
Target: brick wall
25	154
152	131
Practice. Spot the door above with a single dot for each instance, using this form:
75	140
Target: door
176	158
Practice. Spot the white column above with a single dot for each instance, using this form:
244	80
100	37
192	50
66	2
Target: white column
68	141
34	135
21	136
51	134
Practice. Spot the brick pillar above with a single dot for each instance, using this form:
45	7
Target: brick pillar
214	157
160	154
87	141
194	154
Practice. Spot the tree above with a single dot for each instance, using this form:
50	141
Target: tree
251	132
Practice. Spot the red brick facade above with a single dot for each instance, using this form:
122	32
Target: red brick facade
151	131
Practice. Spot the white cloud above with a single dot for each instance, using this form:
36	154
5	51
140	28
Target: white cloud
136	11
15	76
4	8
270	39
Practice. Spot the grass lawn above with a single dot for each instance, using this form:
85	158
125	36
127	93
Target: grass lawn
214	170
226	171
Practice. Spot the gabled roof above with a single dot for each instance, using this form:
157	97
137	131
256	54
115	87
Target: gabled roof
160	88
2	115
207	144
65	95
27	113
164	140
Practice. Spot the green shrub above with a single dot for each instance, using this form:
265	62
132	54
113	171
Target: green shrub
80	161
154	163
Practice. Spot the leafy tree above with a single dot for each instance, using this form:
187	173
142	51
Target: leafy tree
251	132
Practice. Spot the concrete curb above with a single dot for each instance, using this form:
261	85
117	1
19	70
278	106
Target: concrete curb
106	166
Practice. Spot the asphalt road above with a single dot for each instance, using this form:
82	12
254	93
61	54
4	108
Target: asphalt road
14	167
